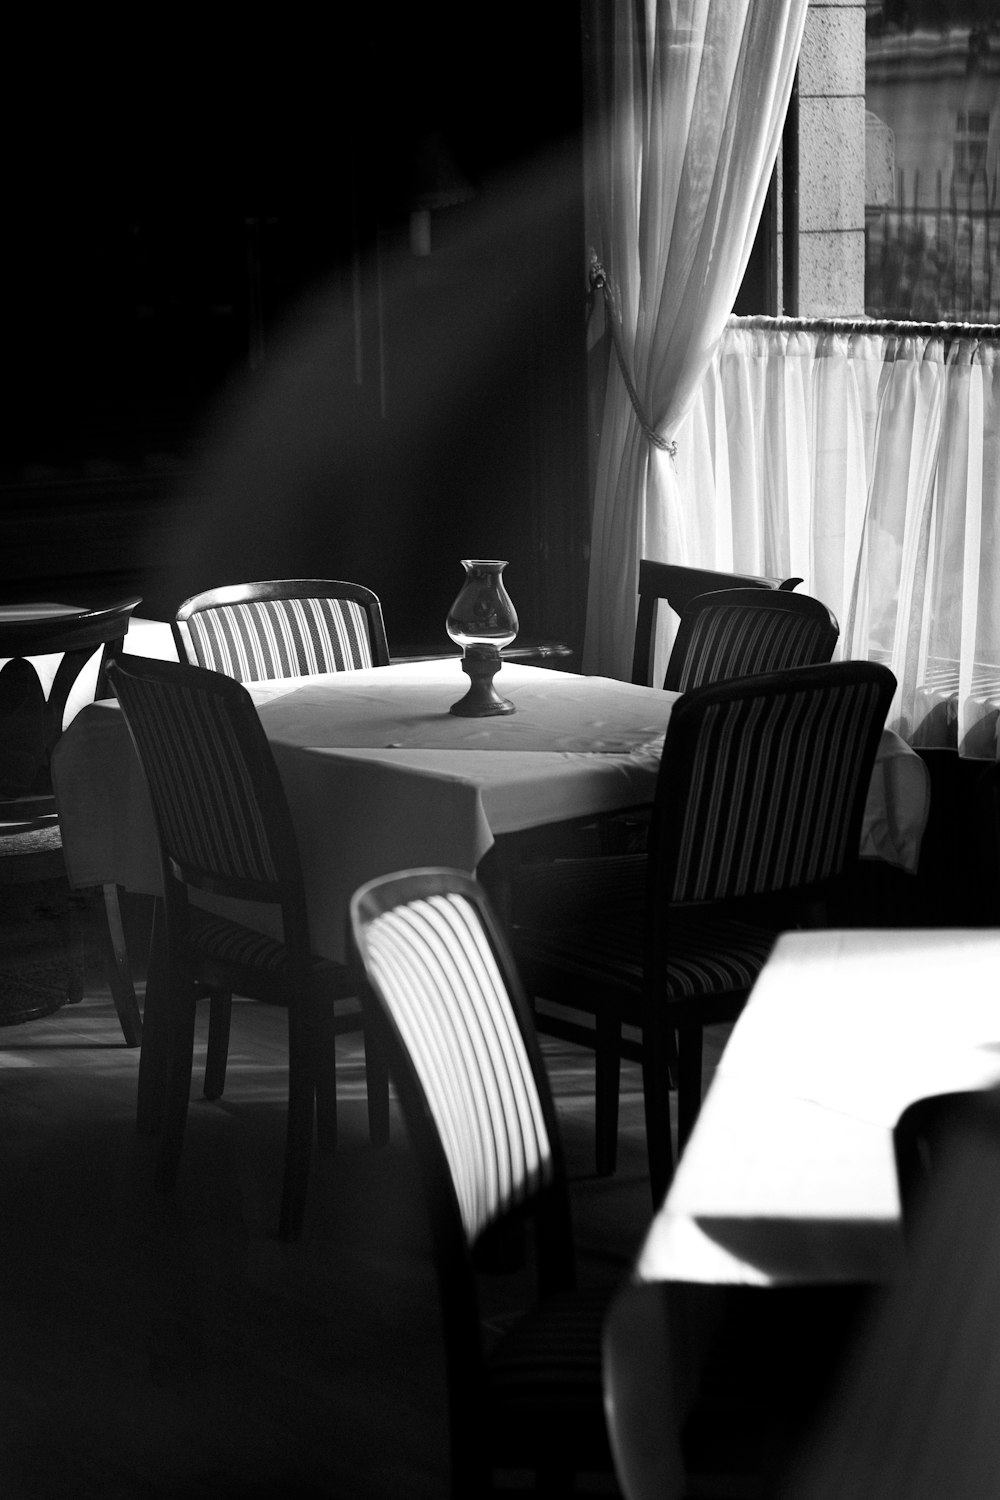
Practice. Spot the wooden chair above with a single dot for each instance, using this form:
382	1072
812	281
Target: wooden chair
677	586
453	1019
738	632
30	724
289	627
734	632
757	815
224	828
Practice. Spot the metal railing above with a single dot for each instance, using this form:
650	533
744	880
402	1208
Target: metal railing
935	256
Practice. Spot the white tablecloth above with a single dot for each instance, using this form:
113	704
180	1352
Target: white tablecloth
380	776
416	786
789	1174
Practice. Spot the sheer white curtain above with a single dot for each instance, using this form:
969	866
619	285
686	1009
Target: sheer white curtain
866	459
686	104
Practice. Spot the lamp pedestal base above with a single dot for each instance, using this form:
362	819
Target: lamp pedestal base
481	664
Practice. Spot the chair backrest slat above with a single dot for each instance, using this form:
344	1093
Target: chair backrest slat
441	995
282	628
675	586
764	779
439	980
219	806
739	632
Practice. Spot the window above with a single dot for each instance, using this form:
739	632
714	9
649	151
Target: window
972	132
933	211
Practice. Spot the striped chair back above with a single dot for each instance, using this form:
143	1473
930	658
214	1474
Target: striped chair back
763	781
282	628
459	1038
676	586
739	632
220	809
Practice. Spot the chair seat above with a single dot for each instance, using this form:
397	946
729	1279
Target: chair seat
545	1384
556	891
586	919
261	959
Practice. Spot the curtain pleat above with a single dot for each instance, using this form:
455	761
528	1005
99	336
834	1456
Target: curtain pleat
865	458
686	101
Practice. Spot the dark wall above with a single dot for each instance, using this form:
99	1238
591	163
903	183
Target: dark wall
229	363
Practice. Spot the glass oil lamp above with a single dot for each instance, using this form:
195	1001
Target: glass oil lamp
481	621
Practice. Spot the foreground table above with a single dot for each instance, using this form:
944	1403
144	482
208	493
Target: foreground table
788	1181
790	1174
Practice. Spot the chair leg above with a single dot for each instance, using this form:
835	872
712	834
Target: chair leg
116	964
607	1085
217	1055
299	1130
183	1004
377	1079
324	1054
657	1049
153	1059
76	948
688	1082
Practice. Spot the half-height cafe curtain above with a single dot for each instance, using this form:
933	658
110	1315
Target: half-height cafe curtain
865	457
685	102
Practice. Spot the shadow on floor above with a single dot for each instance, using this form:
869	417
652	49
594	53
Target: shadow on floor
157	1346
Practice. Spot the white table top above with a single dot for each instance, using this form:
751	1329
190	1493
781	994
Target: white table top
789	1174
413	785
380	776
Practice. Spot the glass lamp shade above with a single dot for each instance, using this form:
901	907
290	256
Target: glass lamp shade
481	621
482	614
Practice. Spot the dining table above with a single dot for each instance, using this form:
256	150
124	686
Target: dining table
788	1181
32	837
381	776
144	637
42	611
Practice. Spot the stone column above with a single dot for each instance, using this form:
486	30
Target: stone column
832	161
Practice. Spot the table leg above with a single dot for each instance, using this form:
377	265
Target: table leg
495	874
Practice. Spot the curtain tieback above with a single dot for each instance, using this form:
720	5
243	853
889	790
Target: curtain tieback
599	283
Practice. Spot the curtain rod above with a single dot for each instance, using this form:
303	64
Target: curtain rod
871	325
